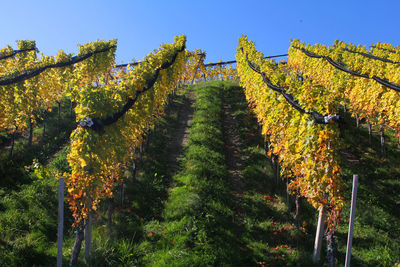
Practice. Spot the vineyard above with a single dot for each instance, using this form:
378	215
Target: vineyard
170	161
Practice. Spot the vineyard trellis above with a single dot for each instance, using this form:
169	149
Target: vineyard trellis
116	105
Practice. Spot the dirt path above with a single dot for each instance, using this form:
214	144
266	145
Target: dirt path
233	151
181	133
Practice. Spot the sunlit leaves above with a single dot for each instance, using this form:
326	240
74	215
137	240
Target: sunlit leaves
97	159
363	97
307	151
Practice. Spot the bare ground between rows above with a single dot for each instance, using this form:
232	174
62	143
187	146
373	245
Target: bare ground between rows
233	146
181	133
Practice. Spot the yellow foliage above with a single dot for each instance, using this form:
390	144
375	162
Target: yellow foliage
307	152
97	158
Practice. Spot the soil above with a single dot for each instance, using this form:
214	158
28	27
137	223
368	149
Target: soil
233	150
181	134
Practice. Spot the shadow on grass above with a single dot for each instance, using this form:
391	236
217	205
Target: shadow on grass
271	236
377	223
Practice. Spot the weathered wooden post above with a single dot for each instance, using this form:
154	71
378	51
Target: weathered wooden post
383	149
88	233
357	121
370	133
319	235
351	221
60	230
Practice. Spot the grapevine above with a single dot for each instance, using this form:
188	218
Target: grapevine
308	152
365	81
113	116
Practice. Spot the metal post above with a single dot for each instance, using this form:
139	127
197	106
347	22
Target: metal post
351	222
60	221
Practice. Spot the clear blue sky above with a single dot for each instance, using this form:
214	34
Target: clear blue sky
214	26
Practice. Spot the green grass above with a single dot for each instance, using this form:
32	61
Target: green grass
197	228
377	222
28	220
28	204
31	208
270	234
376	238
143	201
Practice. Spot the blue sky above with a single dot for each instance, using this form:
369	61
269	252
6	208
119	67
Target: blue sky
214	26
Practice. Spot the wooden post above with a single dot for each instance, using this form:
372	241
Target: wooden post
275	169
266	146
109	215
351	222
357	121
278	172
88	236
30	124
319	235
13	142
59	111
298	210
194	76
287	194
134	169
383	149
398	143
122	193
141	151
71	109
370	133
149	135
60	221
44	123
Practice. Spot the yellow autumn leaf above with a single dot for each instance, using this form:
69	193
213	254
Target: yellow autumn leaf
83	162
